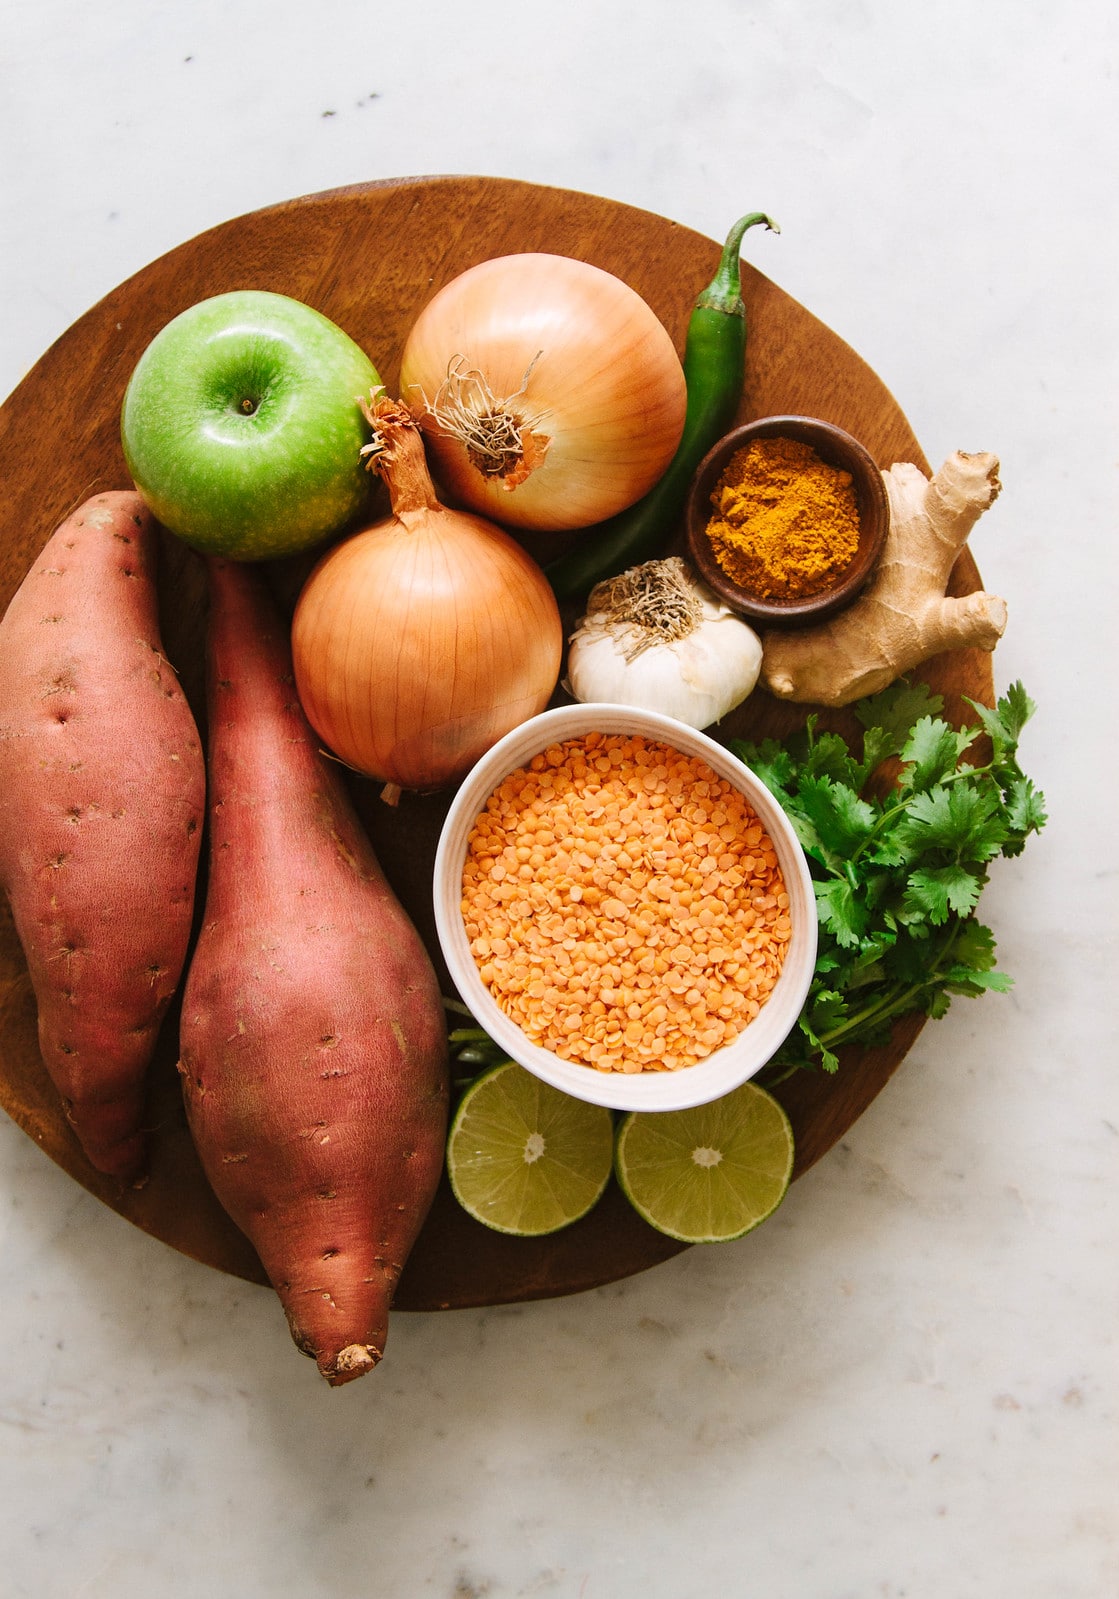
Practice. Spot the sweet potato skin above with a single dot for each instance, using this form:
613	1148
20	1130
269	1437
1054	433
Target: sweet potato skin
102	801
313	1041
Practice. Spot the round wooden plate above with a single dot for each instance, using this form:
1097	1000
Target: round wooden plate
370	257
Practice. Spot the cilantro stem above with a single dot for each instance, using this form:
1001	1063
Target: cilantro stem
883	821
893	1003
896	1001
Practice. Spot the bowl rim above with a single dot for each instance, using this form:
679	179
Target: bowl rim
874	520
727	1067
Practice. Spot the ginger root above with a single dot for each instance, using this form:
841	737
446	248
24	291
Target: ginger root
903	618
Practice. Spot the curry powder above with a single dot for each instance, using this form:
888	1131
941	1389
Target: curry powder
786	523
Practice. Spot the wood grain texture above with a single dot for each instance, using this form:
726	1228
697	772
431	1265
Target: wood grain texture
369	257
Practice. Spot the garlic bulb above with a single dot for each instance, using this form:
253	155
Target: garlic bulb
657	638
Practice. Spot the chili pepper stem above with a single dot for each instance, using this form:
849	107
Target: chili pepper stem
724	292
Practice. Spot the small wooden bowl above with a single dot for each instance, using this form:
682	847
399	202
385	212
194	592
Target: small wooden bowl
838	449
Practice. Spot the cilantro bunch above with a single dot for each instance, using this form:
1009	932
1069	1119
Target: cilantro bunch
898	866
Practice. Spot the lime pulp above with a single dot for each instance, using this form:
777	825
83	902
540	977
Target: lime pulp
711	1173
524	1158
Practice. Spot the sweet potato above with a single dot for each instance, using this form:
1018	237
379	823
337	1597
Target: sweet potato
313	1040
102	801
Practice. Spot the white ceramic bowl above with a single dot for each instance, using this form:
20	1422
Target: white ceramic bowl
726	1067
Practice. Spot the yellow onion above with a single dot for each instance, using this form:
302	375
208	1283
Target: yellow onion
418	642
550	394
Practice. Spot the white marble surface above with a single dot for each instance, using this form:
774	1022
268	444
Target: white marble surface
905	1383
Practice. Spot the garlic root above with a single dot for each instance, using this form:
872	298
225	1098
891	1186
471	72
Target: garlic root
904	617
656	637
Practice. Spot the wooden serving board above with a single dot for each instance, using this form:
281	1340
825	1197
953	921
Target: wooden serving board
370	257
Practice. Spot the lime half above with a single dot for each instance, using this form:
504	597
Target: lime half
524	1158
711	1173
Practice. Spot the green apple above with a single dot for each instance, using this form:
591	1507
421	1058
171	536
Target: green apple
242	427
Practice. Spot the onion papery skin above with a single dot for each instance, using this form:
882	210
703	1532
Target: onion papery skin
416	647
607	385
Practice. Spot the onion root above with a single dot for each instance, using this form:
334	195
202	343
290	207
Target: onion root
501	439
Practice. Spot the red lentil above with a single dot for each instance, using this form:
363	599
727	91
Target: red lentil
624	904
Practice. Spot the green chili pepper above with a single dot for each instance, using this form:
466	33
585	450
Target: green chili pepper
714	365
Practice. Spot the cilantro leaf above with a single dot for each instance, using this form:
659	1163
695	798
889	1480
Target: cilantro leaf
937	1004
963	821
974	947
931	752
843	822
1004	724
826	1010
827	755
1025	813
962	980
938	891
841	912
889	714
770	761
